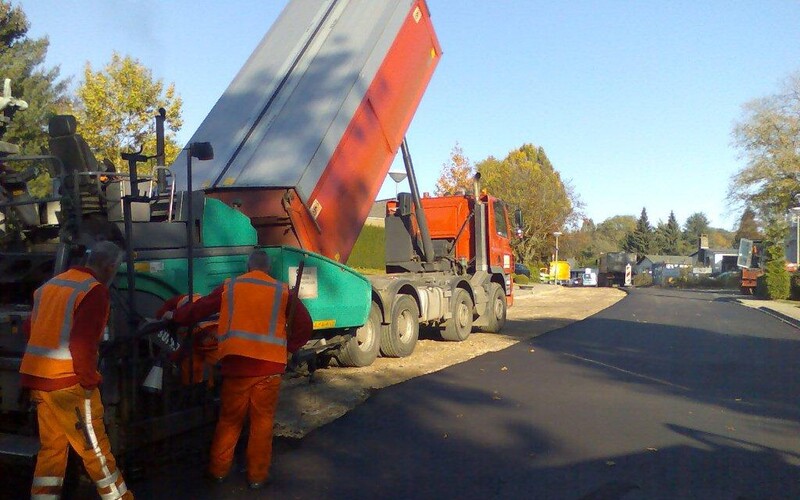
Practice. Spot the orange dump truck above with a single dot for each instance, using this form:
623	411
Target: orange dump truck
304	137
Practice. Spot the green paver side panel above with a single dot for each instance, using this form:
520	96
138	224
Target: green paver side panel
336	296
224	226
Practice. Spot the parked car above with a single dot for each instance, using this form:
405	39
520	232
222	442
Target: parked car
521	269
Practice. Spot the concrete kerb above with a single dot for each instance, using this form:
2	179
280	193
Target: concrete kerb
787	313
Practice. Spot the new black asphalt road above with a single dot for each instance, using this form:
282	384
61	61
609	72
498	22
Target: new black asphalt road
667	394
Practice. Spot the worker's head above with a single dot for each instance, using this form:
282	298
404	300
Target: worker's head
104	257
258	261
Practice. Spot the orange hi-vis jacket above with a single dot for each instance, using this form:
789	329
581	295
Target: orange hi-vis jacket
252	319
54	304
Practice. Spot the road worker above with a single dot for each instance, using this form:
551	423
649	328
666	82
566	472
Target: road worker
253	347
59	366
199	367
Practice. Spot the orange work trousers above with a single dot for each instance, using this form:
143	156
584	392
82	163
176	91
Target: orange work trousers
202	370
68	417
257	396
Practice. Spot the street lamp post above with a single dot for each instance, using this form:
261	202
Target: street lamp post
796	217
555	270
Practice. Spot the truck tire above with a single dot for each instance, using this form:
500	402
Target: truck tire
459	326
362	349
399	340
496	309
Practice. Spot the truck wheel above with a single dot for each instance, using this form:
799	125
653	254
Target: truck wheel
399	340
362	349
495	309
459	326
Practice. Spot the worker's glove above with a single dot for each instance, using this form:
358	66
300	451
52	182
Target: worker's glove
152	325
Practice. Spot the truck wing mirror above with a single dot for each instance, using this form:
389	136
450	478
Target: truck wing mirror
202	150
518	223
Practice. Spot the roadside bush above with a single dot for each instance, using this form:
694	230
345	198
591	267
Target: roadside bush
773	285
535	276
643	279
794	286
520	279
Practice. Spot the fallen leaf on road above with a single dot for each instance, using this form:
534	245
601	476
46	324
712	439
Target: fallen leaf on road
730	427
504	369
652	449
532	350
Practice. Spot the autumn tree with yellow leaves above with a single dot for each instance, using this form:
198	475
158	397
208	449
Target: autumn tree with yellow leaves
456	174
116	107
526	179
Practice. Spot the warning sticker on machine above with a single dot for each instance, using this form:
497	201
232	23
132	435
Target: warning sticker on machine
308	283
315	209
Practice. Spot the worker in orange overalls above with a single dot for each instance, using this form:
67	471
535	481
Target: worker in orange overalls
199	367
253	347
59	366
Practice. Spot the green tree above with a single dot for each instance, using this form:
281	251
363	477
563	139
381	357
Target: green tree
456	174
775	283
610	234
768	137
668	239
526	179
22	61
640	240
748	226
579	244
116	106
695	225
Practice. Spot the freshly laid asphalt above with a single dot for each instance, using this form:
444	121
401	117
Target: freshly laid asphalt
667	394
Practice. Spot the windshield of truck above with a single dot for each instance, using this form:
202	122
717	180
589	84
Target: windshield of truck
500	218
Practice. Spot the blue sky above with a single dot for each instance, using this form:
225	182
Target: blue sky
633	101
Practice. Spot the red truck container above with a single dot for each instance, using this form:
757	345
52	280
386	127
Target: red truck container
306	132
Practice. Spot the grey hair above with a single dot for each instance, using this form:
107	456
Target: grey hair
259	259
102	254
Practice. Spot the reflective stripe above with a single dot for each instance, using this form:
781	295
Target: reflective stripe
87	416
255	337
37	298
230	304
81	286
256	281
45	481
115	495
62	353
273	321
108	480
